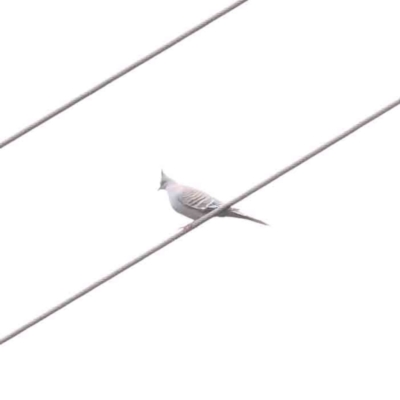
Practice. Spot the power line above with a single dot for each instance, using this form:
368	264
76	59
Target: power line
199	222
120	74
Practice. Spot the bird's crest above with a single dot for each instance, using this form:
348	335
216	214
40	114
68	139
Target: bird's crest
164	180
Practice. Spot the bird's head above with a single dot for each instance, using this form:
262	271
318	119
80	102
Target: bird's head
165	181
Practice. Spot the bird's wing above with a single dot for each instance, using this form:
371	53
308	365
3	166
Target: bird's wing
198	200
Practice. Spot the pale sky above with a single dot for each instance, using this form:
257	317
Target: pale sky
305	309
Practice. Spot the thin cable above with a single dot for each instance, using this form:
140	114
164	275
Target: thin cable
120	74
199	222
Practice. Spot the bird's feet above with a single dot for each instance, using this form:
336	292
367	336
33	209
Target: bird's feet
187	227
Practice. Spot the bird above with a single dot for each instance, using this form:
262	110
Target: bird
194	203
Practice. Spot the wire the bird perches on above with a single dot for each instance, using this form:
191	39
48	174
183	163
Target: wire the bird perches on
199	222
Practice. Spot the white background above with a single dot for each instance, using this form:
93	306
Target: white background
305	309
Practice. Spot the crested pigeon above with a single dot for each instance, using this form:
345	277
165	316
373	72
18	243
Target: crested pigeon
193	203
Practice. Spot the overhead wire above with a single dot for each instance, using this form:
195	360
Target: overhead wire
119	74
198	222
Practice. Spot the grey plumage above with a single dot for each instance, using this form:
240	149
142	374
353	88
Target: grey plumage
193	203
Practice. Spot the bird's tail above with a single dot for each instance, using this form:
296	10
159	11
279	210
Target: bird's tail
237	214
